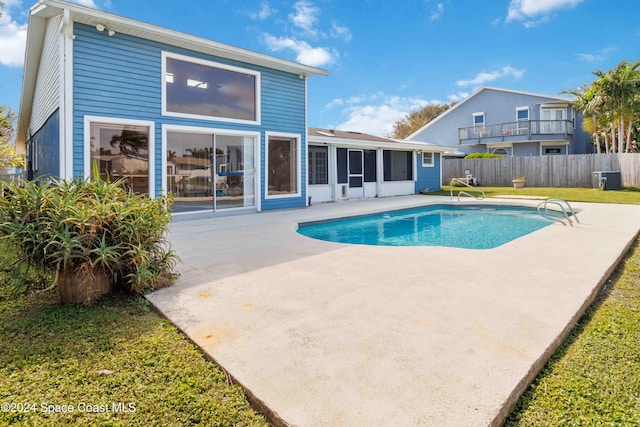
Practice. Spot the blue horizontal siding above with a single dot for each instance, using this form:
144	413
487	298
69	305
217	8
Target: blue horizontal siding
120	76
429	177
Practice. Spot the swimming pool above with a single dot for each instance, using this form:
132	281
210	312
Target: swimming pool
469	227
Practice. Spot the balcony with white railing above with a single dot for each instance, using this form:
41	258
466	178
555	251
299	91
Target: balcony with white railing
523	130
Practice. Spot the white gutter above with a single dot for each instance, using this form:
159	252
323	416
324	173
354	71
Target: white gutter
353	143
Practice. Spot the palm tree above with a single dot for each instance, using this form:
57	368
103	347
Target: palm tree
619	90
587	103
131	142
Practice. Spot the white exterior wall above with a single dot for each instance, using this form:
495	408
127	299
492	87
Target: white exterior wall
47	97
397	188
319	193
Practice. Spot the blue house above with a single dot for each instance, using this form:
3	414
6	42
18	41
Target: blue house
353	165
509	122
218	126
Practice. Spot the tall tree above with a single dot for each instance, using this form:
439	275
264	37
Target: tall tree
8	156
417	119
613	103
588	104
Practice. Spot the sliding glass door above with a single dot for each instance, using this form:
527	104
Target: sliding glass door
209	171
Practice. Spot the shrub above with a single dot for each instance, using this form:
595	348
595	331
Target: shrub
483	156
83	228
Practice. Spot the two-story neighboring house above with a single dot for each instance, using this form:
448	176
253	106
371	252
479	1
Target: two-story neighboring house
218	126
509	122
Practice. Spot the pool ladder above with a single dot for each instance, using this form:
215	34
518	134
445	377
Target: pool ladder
565	208
464	192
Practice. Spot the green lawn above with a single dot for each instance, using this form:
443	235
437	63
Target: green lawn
629	196
594	378
116	355
119	352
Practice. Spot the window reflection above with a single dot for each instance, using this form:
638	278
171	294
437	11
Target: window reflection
121	152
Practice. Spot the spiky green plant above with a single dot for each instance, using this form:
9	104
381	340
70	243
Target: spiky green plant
60	226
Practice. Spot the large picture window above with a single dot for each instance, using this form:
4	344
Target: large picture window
203	89
120	151
318	165
283	165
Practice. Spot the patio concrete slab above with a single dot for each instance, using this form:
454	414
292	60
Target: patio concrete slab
327	334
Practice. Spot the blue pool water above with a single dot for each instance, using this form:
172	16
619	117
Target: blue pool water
470	227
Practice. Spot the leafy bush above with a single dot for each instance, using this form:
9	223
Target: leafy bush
483	156
72	226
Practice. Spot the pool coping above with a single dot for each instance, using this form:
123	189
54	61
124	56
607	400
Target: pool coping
229	279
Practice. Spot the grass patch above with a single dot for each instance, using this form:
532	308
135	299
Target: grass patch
626	196
593	377
52	354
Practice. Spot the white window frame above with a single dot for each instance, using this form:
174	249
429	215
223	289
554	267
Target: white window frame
311	166
88	120
522	129
478	114
197	61
479	129
166	128
431	163
518	109
298	138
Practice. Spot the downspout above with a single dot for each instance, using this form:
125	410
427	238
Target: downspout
305	180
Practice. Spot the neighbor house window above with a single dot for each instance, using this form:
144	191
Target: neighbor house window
397	165
204	89
318	165
478	124
522	113
427	159
283	165
522	117
478	119
119	151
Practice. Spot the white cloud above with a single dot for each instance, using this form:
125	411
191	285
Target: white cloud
485	77
376	113
457	97
534	12
264	12
305	16
305	53
87	3
437	12
13	34
596	57
339	32
13	38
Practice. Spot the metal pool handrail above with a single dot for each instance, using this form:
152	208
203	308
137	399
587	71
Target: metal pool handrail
464	192
561	204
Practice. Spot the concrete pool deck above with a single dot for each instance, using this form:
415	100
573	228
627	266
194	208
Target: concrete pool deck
327	334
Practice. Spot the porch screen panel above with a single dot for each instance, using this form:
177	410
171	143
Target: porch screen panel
341	154
398	165
370	165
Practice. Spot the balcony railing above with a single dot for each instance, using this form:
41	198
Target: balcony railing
512	129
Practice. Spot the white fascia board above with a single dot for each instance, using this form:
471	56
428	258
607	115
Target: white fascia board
124	25
33	52
361	144
446	113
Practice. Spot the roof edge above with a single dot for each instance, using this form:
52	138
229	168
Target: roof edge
476	92
225	49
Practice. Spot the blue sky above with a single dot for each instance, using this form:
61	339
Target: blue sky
388	58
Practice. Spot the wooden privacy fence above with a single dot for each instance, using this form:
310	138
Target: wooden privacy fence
575	170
